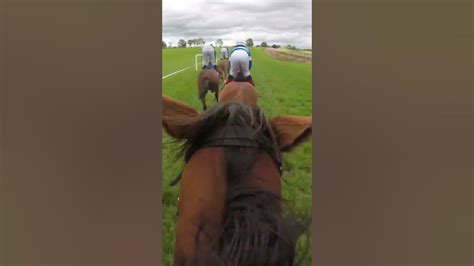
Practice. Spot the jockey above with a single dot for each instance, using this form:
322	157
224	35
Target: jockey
240	61
224	53
209	57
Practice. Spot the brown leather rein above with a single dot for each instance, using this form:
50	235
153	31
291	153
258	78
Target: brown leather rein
240	137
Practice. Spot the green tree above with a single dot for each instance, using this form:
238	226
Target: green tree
181	43
163	44
219	42
264	44
249	42
190	42
199	41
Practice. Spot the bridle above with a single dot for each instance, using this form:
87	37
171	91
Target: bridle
239	137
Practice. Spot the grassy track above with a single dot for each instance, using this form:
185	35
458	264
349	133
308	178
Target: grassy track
284	89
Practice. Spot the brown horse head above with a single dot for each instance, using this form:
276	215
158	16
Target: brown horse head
230	198
239	91
208	79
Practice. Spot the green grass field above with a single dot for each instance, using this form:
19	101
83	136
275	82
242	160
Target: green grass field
284	89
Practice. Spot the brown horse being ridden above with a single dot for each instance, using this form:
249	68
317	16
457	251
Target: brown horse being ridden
223	68
239	91
230	209
208	79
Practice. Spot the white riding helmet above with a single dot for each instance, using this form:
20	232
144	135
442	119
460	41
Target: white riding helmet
241	43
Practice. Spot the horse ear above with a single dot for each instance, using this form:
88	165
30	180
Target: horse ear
290	131
177	117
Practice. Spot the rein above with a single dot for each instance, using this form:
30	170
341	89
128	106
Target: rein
240	137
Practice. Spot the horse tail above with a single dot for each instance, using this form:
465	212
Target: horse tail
203	87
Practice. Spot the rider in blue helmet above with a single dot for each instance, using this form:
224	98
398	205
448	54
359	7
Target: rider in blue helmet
240	62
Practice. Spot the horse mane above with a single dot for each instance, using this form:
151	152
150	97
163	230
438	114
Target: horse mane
254	231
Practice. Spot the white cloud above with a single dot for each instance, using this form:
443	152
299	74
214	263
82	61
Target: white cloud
272	21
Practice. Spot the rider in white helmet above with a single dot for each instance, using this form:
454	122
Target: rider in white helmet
208	57
240	61
224	53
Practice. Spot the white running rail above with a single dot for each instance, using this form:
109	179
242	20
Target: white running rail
196	61
169	75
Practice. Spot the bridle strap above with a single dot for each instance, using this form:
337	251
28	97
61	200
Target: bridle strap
239	137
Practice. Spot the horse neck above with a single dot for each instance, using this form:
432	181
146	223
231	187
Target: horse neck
217	183
201	205
264	175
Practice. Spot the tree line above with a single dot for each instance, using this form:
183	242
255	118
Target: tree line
219	43
183	43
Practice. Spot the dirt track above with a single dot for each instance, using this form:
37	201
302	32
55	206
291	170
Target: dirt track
288	55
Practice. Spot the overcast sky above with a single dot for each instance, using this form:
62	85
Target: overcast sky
272	21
